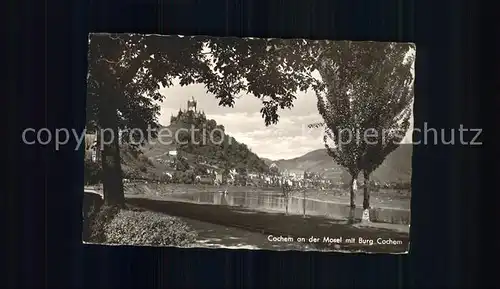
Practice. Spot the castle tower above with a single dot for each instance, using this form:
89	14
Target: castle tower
191	105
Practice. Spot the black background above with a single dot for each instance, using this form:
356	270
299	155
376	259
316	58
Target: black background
49	67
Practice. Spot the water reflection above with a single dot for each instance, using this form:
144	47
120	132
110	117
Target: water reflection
276	202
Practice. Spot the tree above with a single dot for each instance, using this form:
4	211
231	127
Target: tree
367	91
181	164
274	170
242	175
125	73
200	170
92	172
286	191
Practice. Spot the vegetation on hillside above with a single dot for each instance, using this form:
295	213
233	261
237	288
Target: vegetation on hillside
208	141
135	165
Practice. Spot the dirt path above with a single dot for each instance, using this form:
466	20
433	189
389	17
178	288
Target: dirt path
216	236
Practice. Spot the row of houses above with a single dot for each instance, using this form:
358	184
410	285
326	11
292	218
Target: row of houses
216	175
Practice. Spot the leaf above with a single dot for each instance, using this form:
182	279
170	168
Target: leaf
367	86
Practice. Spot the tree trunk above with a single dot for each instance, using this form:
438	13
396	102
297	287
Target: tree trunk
285	197
366	197
352	210
304	202
98	152
111	161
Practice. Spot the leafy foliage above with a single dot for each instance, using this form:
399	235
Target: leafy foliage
242	176
148	228
134	163
365	105
181	163
125	73
274	170
367	90
95	224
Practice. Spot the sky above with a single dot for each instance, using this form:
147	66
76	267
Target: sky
289	138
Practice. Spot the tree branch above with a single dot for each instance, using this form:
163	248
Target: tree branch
109	61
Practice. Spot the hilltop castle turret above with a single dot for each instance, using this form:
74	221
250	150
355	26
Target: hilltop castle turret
191	105
188	114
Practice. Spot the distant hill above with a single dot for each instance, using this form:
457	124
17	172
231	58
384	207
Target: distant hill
154	157
395	168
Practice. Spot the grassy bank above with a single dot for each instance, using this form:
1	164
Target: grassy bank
280	224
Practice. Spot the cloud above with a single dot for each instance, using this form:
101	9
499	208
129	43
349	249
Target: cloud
288	139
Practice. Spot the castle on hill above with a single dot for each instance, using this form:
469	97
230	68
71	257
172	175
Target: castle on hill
189	114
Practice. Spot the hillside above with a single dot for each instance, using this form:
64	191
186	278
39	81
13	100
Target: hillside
191	143
395	168
200	140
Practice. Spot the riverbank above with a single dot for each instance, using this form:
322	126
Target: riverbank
269	199
330	234
377	200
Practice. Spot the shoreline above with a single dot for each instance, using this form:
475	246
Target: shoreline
378	201
383	215
389	226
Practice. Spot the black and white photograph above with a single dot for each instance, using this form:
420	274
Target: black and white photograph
248	143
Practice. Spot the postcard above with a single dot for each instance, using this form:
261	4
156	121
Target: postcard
248	143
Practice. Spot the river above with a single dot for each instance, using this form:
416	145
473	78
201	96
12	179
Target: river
269	201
